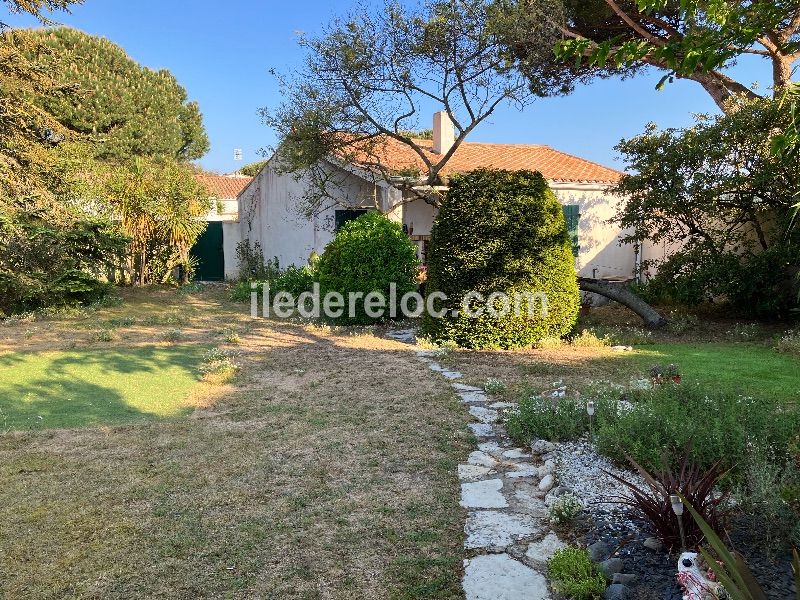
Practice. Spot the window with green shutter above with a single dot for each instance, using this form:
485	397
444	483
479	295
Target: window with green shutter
573	216
346	215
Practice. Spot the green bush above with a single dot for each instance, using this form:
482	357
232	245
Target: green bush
753	285
555	419
44	264
501	231
367	255
294	280
718	426
573	574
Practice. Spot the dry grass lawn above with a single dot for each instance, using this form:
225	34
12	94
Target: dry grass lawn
326	469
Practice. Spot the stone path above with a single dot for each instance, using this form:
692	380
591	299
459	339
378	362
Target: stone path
506	490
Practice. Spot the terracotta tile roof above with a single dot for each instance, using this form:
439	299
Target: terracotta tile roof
554	165
224	187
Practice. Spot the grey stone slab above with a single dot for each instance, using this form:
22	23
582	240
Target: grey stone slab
484	415
542	551
500	577
482	429
497	529
473	472
483	494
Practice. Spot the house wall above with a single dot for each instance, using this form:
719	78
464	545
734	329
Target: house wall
601	255
231	236
269	213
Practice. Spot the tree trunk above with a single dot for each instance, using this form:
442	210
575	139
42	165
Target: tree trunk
721	87
649	315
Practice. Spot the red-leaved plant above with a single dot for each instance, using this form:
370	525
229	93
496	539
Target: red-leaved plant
698	486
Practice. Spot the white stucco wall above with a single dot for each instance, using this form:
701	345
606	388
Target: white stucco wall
269	213
601	255
230	238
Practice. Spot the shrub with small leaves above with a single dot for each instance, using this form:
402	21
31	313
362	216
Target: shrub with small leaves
104	335
172	335
218	365
573	574
789	343
565	509
494	386
500	232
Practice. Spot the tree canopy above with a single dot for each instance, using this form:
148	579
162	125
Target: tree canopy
122	108
690	39
372	76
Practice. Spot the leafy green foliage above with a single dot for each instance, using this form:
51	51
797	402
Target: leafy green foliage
501	231
43	265
718	426
159	203
252	169
28	134
689	39
125	109
717	191
573	574
554	419
367	255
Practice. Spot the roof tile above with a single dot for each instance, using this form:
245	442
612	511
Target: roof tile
224	187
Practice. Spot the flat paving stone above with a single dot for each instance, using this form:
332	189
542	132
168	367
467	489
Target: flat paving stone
469	397
484	415
483	494
434	366
542	551
500	577
473	472
523	470
482	459
492	448
516	453
496	529
482	429
503	405
403	335
463	387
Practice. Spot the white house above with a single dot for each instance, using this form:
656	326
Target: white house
269	215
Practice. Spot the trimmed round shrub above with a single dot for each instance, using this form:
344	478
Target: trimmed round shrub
501	231
367	255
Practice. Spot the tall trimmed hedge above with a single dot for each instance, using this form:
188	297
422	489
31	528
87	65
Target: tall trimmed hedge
501	231
367	255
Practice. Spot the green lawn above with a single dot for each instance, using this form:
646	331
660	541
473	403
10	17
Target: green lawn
40	390
750	369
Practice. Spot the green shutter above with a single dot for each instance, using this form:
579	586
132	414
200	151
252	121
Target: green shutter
573	216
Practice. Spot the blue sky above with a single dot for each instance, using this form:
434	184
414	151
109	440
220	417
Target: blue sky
221	52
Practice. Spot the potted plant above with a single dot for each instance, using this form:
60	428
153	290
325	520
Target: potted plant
674	373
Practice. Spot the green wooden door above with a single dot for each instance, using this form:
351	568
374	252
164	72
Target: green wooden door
572	215
209	254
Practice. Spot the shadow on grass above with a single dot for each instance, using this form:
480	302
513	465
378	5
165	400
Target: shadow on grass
94	387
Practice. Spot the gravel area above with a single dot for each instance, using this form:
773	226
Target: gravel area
617	528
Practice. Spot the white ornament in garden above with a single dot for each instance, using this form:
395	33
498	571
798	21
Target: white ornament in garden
693	577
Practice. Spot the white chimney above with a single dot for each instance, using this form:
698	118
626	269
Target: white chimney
444	135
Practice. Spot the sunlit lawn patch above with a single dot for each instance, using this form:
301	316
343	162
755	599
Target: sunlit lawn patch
96	386
749	369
